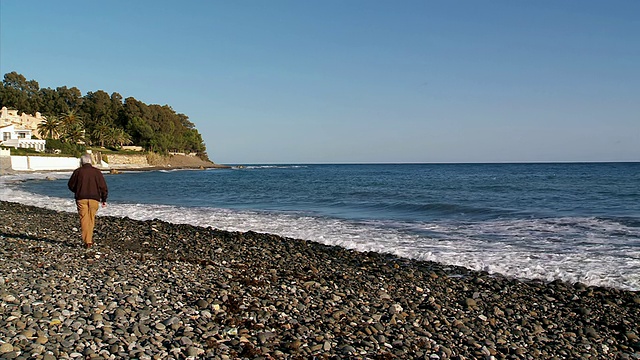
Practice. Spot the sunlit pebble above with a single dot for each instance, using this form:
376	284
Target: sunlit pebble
211	294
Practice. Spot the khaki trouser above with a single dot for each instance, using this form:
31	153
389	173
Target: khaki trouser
87	209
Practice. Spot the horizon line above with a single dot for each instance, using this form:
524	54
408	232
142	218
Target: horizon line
438	162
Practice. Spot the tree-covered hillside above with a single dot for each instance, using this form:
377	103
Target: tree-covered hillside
100	119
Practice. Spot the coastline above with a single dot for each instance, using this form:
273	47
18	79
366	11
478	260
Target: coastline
155	289
120	168
131	163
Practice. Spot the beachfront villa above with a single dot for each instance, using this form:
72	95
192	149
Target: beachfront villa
17	130
10	136
22	121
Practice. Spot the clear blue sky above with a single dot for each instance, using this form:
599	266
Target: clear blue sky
336	81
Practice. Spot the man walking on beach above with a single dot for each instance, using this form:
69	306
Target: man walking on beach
90	189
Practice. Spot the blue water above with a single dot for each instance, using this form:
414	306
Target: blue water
569	221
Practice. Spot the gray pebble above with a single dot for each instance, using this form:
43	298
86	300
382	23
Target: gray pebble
166	291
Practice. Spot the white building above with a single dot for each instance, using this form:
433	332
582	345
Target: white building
19	138
22	121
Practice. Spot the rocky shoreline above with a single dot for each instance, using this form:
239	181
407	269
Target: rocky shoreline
174	162
121	169
155	290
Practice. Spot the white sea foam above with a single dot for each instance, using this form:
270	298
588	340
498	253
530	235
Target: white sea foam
569	249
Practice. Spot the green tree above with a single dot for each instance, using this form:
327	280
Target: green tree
141	131
71	118
97	108
117	137
13	93
71	97
121	137
117	109
50	127
74	134
65	147
156	127
21	93
193	142
72	127
50	102
100	133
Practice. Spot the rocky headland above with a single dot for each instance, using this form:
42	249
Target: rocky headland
155	290
152	161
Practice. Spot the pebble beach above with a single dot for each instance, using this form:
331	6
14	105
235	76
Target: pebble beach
156	290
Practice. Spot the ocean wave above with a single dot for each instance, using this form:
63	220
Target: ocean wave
623	220
595	251
432	211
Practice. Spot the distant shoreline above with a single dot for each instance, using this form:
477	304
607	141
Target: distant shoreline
156	168
36	163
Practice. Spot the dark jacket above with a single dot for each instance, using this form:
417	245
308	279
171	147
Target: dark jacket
87	182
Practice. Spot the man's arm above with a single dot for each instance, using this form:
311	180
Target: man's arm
73	181
102	187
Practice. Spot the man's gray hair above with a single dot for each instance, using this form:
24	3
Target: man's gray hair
85	159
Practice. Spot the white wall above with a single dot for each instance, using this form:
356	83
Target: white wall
19	163
39	163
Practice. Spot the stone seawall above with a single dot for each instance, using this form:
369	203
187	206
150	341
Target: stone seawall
118	160
152	160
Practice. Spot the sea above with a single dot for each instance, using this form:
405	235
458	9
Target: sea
576	222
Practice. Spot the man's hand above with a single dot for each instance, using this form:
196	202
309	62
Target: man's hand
104	204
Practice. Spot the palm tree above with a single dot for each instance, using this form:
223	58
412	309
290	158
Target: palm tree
50	127
74	134
117	137
70	118
72	127
123	138
101	133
